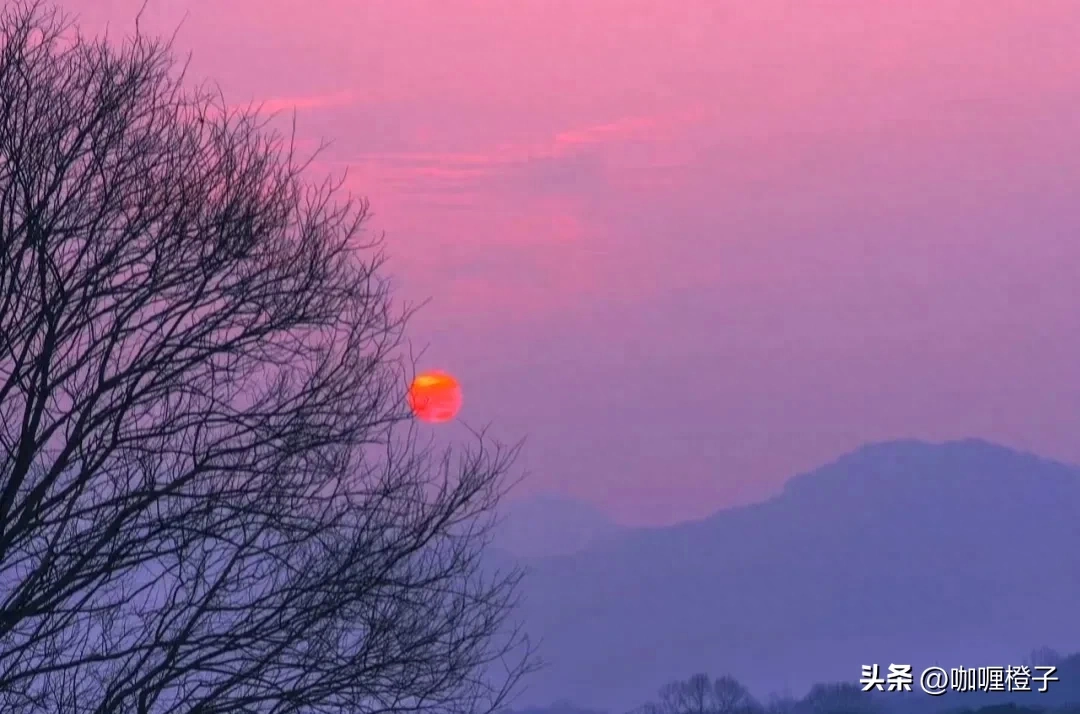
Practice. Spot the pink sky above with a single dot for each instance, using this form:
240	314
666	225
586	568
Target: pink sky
691	247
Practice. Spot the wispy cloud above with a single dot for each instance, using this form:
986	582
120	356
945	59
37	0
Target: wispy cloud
651	128
317	101
418	170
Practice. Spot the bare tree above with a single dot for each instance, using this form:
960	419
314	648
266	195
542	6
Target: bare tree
1044	657
731	696
700	695
210	500
781	704
838	698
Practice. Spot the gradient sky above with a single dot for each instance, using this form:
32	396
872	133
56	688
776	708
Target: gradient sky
691	247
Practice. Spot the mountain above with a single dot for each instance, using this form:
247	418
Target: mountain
549	525
958	554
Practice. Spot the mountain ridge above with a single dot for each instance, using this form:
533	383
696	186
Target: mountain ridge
934	550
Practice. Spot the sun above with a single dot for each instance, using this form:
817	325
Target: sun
435	397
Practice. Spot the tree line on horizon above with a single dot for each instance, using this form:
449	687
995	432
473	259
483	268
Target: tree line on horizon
724	694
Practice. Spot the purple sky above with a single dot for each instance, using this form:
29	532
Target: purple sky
690	248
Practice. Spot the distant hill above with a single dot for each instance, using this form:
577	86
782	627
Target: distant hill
550	524
961	554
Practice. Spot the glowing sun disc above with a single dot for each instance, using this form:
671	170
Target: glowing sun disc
435	397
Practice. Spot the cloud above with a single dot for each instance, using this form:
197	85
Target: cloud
656	127
318	101
559	161
628	128
520	223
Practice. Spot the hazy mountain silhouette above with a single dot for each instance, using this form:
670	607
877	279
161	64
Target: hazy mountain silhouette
962	553
550	524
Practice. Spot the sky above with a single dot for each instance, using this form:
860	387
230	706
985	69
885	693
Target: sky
689	249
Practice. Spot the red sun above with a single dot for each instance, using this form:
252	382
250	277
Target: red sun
435	397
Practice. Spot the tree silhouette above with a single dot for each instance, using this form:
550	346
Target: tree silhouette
1044	657
838	698
700	695
210	498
